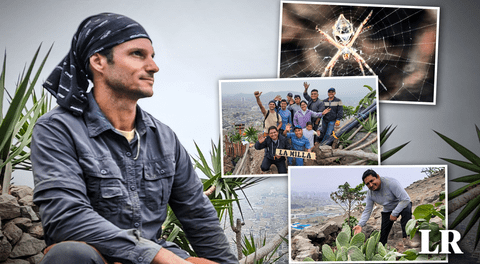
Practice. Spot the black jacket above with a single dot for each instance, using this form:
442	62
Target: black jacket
270	146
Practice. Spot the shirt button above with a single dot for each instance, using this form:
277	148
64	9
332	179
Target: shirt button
140	259
132	187
136	224
128	154
103	172
162	171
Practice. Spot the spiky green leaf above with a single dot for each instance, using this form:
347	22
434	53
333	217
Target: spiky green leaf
471	205
468	179
461	149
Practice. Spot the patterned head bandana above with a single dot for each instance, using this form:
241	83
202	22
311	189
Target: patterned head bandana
69	81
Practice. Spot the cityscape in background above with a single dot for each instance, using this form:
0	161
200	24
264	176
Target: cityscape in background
267	216
243	108
310	208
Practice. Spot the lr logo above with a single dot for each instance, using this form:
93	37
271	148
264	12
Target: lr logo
425	248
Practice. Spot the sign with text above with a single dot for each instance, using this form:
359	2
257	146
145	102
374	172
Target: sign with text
295	154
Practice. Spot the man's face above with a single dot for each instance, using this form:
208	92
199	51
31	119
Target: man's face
273	134
314	95
131	73
303	106
297	100
373	183
271	106
331	94
283	105
298	132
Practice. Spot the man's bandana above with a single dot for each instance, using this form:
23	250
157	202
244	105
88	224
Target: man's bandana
69	81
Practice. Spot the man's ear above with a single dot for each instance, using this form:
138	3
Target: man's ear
97	63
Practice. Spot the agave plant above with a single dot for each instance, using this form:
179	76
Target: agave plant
384	135
222	192
17	124
367	100
469	194
250	246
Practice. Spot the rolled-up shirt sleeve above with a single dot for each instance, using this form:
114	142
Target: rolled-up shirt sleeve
61	194
196	213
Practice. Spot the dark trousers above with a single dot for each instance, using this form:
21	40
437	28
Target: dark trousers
72	252
387	224
280	163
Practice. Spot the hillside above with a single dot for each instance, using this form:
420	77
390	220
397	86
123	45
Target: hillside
308	242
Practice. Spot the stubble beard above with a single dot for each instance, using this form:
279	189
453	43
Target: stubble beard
121	90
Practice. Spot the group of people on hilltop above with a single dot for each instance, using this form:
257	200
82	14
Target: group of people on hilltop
301	116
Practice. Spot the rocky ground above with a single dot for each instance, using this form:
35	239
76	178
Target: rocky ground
308	242
21	236
255	158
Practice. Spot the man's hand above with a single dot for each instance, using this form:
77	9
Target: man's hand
261	138
257	94
393	218
337	123
288	126
306	85
309	150
277	98
357	229
165	256
326	111
318	132
291	102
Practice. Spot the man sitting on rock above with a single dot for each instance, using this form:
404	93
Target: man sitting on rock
105	170
271	143
395	200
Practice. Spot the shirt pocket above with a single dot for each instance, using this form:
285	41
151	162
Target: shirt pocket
157	183
105	186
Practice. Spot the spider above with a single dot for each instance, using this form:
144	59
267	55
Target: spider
344	39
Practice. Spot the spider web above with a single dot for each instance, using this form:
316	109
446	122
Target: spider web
399	44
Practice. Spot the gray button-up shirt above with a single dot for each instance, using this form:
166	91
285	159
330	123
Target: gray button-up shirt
89	187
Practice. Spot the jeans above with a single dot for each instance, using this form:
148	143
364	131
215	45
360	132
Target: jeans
327	128
298	161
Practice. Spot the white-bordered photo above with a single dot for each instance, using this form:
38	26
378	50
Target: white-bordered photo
336	213
399	44
268	125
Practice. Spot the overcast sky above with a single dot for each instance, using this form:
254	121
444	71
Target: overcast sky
351	86
327	179
198	43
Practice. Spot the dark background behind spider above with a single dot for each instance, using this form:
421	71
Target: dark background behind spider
390	45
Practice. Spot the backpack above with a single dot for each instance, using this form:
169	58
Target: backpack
266	116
